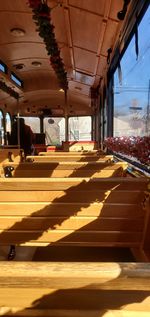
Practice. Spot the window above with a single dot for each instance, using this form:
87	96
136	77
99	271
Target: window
16	79
132	97
1	128
8	122
54	129
80	128
8	127
3	67
34	123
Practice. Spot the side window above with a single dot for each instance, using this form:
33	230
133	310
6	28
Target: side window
34	123
54	129
8	127
1	128
132	94
80	128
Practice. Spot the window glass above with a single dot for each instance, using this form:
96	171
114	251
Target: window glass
16	79
1	128
34	123
80	128
8	122
54	129
132	95
3	67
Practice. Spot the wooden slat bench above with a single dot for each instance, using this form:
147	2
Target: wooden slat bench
63	153
69	158
79	145
75	211
64	169
74	289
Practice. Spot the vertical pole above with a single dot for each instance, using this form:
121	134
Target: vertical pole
18	124
66	117
41	124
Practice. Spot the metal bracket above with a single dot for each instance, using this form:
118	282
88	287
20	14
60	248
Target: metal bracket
8	171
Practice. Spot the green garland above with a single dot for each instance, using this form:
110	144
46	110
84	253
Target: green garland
42	18
8	90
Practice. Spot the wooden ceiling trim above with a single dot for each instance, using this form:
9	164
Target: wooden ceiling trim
69	36
33	70
109	36
22	42
84	49
79	82
101	39
85	29
85	10
84	72
102	34
92	12
15	11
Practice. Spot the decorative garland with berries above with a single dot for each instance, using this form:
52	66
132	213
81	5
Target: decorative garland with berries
42	18
135	147
8	90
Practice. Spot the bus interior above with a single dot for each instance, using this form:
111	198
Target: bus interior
75	209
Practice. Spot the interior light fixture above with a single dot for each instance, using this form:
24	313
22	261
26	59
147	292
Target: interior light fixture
17	32
36	64
61	90
19	66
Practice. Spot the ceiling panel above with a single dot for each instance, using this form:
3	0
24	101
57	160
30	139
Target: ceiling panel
84	60
15	5
89	5
84	78
65	54
28	67
15	51
110	36
101	65
22	20
58	20
79	88
115	7
42	80
85	28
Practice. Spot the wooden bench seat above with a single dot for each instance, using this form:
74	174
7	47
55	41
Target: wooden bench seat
69	158
79	145
73	211
63	153
74	289
63	169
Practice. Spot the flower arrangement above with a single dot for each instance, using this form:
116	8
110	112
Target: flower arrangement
136	147
8	90
42	18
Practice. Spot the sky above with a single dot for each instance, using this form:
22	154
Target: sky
135	73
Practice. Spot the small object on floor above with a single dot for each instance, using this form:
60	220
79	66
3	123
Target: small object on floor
12	253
